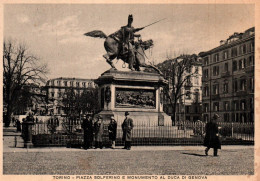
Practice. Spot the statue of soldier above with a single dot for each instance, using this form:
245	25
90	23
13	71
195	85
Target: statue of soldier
128	34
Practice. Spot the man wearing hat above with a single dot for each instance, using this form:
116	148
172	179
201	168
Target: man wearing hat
211	138
127	127
87	126
99	129
112	127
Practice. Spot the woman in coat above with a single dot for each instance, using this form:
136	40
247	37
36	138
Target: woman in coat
127	127
112	128
211	138
99	129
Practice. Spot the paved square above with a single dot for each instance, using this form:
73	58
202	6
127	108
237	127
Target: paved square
138	161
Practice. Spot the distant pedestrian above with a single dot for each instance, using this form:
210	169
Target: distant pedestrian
127	127
99	130
112	128
211	138
18	125
87	127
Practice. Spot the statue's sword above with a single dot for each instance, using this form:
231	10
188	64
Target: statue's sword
154	22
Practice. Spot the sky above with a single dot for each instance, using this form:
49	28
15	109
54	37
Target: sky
54	32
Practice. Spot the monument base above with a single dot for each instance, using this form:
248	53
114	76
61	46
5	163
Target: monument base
139	93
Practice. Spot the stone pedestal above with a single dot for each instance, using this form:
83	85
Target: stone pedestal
27	134
139	93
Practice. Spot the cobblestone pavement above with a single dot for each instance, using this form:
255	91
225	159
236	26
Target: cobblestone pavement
138	161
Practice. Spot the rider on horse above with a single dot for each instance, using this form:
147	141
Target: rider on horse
125	36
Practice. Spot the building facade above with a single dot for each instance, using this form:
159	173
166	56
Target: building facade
228	79
56	88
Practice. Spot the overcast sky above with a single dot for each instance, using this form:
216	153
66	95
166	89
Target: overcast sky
55	32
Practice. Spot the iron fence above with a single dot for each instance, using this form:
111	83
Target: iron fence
68	133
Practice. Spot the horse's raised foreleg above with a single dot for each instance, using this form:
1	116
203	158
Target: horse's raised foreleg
153	67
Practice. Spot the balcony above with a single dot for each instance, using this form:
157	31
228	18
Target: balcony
241	93
250	69
225	74
215	97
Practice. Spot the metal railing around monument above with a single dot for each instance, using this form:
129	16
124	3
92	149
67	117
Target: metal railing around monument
64	133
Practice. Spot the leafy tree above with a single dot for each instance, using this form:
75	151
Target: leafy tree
21	68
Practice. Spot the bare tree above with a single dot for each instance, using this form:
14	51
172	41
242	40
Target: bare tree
178	72
20	68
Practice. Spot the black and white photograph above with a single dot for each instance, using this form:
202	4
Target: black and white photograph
138	91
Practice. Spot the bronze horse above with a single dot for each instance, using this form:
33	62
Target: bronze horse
115	49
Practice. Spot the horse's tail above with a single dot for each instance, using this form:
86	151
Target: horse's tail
96	34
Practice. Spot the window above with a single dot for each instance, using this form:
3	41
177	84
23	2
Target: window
242	64
197	96
243	105
251	84
225	55
196	70
216	106
216	70
71	83
187	109
251	60
206	60
235	106
90	84
206	73
234	65
243	85
252	47
188	95
251	103
225	87
65	83
83	84
206	107
234	52
206	118
196	80
188	69
216	58
52	82
58	82
235	86
244	49
215	89
77	84
206	91
226	67
226	106
52	94
226	117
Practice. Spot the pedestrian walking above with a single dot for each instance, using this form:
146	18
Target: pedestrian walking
18	125
211	138
87	127
127	127
99	129
112	128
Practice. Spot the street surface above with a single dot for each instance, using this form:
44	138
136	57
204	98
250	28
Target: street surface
161	160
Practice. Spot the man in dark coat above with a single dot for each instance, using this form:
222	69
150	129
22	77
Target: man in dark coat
211	138
99	130
112	127
87	126
127	127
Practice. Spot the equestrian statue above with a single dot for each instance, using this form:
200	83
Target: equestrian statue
122	45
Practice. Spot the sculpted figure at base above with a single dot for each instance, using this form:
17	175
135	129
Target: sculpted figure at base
122	45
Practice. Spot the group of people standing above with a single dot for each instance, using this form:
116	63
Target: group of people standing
94	132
